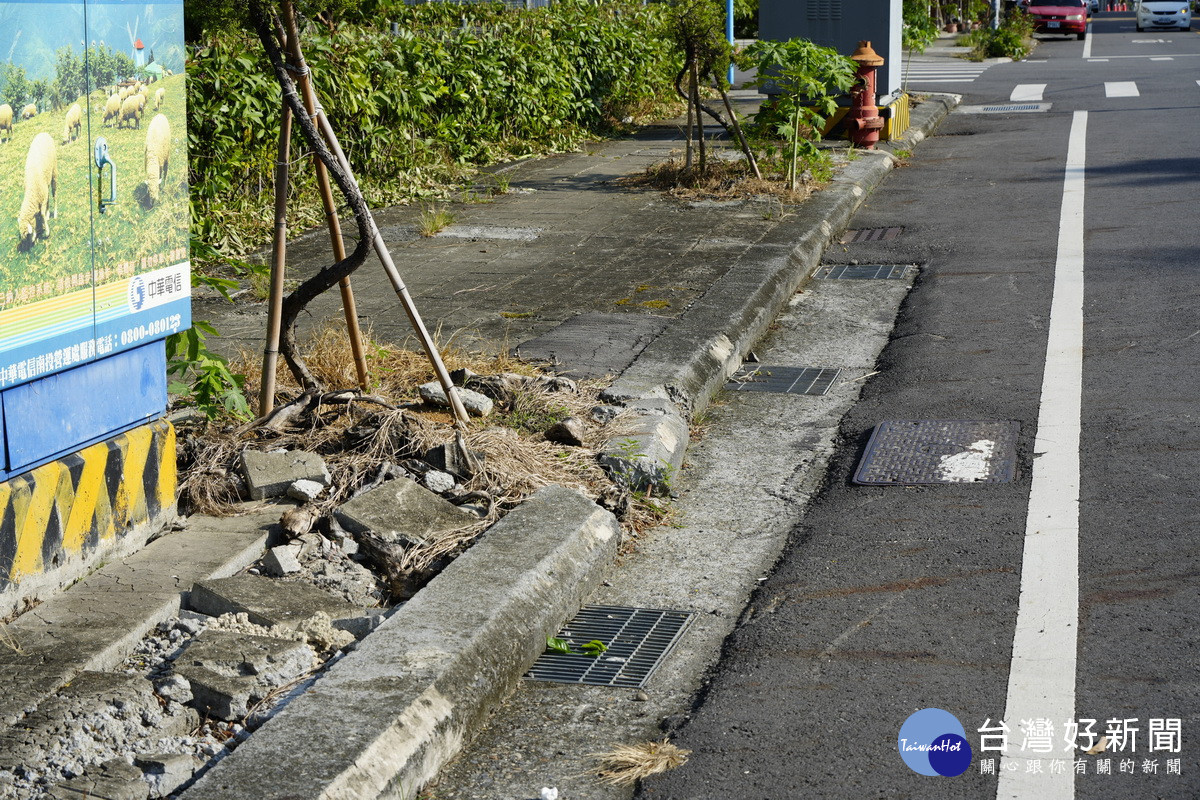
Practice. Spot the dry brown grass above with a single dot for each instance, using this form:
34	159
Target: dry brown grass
360	440
722	180
626	764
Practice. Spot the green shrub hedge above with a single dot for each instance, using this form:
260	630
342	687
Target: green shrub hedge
460	85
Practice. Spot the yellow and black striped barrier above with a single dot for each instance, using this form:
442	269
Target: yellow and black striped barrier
65	514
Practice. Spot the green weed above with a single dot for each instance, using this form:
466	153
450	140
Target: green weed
434	218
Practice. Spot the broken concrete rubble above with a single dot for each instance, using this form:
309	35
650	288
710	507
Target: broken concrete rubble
476	404
305	490
267	602
272	474
401	511
280	561
229	672
166	772
113	780
569	431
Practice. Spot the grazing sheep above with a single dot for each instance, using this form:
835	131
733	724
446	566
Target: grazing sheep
6	119
144	91
158	154
29	111
73	124
158	98
112	109
41	188
131	111
125	90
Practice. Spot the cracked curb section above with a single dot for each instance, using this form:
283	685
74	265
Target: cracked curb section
385	719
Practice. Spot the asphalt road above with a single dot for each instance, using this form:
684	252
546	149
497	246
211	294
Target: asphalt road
890	600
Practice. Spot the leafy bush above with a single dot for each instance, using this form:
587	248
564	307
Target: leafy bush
919	29
458	85
1013	39
809	78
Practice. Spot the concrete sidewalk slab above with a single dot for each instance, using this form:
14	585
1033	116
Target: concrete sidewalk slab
383	720
96	623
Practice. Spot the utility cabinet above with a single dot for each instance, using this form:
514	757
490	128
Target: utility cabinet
94	214
840	24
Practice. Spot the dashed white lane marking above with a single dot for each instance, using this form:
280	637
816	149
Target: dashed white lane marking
1162	58
1041	681
1087	42
1120	89
1097	60
1028	93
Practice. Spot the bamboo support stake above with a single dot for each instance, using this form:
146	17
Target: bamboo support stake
381	250
266	393
699	116
737	129
335	230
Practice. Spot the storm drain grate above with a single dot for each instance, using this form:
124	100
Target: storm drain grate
638	639
1006	108
870	235
939	451
783	380
843	272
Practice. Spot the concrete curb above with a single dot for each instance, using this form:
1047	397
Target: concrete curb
702	348
925	117
385	719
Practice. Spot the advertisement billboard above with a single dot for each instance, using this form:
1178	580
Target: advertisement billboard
93	182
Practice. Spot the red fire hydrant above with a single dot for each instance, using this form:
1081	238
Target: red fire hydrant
864	120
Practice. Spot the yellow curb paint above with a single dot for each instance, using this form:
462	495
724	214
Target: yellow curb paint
167	477
43	484
131	494
83	509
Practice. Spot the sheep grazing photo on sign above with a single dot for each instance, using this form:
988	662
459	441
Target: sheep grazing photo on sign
93	181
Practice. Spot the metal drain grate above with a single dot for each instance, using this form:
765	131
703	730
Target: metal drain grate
783	380
638	639
1007	108
939	451
842	272
870	235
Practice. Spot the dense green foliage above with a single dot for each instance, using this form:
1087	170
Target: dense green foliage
920	28
458	85
1013	39
809	79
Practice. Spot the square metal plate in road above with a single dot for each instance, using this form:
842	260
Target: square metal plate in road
638	639
913	452
870	235
783	380
843	272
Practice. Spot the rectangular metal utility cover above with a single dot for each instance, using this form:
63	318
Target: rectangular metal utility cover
842	272
783	380
913	452
638	639
870	235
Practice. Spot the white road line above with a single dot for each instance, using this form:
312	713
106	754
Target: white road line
1162	58
1120	89
1087	42
1097	60
1027	93
1041	682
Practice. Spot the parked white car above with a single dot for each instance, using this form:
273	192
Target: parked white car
1161	14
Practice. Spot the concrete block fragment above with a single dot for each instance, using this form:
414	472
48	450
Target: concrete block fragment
267	602
271	474
280	561
175	688
476	404
650	456
361	626
305	490
437	481
112	780
450	458
229	672
569	432
166	772
401	511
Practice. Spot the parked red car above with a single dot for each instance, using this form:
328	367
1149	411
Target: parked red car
1060	16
